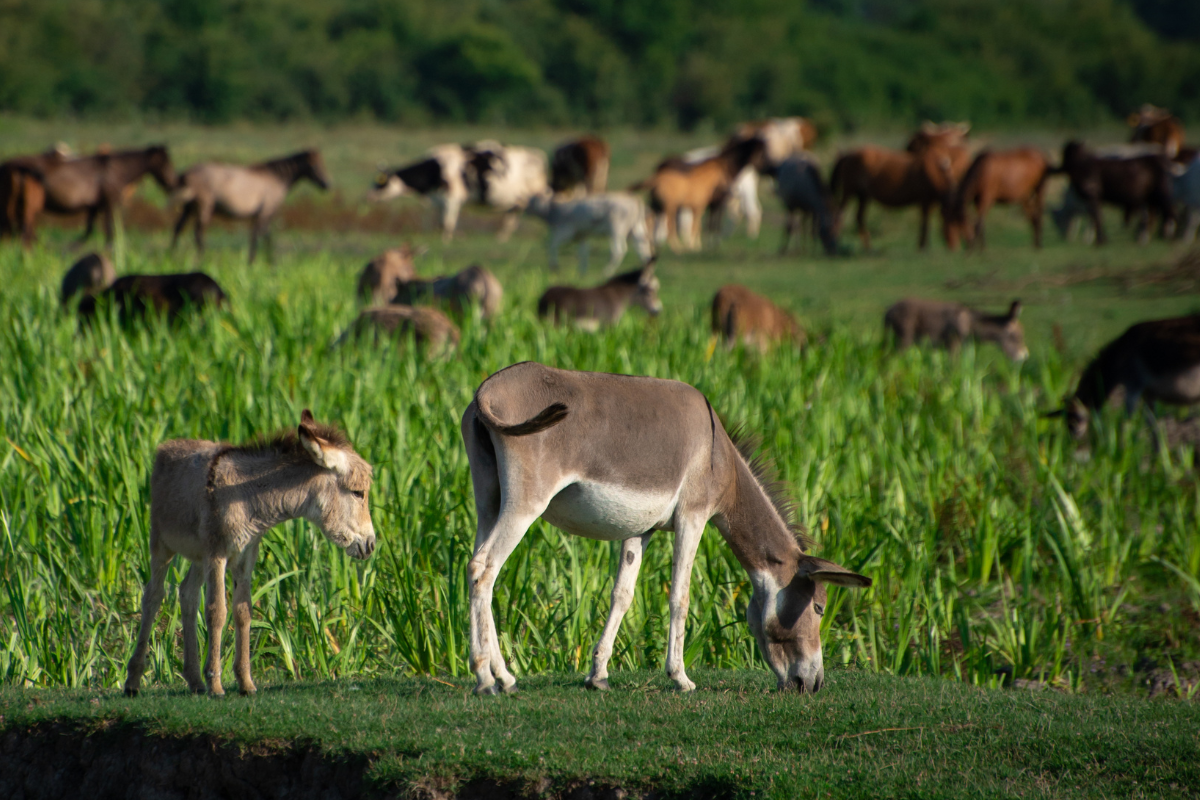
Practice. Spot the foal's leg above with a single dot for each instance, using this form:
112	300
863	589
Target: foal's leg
215	615
687	539
189	605
622	597
152	597
242	574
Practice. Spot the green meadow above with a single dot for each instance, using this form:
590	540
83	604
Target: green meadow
1002	552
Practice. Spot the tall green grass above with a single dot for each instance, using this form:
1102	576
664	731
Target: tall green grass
993	544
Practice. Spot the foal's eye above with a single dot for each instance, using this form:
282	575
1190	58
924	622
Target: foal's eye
819	608
358	494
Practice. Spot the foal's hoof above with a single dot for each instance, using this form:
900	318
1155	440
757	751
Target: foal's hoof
217	695
600	685
131	692
487	690
510	689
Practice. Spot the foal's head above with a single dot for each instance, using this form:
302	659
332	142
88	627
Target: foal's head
339	489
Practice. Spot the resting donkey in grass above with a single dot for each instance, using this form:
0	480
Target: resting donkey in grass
211	503
616	458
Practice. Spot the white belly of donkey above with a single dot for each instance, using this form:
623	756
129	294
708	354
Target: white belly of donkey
609	512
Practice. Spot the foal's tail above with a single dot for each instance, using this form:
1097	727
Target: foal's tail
548	417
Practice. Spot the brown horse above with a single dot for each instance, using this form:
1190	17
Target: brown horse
96	184
924	175
1004	176
240	192
1159	126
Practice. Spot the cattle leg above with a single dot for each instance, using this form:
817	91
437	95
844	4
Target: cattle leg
242	575
184	215
451	206
622	598
189	606
687	539
215	614
152	597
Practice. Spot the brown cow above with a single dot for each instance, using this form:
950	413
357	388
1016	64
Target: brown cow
948	324
924	174
677	184
740	315
1004	176
582	162
1159	126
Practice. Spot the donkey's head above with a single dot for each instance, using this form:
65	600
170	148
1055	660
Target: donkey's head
646	293
338	492
1005	330
786	619
159	162
313	168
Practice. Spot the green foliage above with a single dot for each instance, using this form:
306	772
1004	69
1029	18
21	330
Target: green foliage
593	62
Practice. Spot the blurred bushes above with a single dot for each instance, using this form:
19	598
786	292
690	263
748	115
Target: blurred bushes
847	63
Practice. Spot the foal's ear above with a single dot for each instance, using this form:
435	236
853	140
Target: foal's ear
321	451
1014	310
818	569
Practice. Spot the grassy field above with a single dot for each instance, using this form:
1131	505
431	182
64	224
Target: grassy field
868	735
1000	551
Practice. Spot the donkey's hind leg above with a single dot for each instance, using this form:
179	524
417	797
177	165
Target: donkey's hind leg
242	574
189	606
215	615
152	597
622	597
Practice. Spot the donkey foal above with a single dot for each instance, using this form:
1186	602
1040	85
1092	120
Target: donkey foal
212	502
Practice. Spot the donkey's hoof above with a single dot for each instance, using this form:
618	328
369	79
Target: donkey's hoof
130	692
599	685
217	695
487	690
510	689
248	692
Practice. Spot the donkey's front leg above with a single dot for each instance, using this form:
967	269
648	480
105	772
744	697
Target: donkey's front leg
215	615
492	549
622	597
687	539
242	574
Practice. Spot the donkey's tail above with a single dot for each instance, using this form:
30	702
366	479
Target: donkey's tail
548	417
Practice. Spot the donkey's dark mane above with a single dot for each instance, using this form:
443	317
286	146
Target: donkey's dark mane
764	472
287	441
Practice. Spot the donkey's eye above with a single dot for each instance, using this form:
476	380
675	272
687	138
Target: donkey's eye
358	494
819	608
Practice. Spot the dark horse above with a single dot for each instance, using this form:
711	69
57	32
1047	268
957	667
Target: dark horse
95	184
240	192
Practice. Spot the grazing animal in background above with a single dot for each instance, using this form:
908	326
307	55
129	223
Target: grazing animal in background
617	216
256	192
91	274
924	174
580	165
506	178
440	176
473	287
1185	186
95	184
740	315
1159	126
1138	185
678	185
1153	361
170	294
798	184
783	137
22	199
604	304
212	502
948	324
383	274
1002	176
430	328
616	458
728	207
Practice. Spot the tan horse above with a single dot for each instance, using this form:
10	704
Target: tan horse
1004	176
211	503
256	192
616	458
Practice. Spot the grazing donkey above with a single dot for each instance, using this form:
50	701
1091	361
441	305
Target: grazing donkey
211	503
741	315
170	294
616	458
473	287
382	276
1155	360
604	304
91	274
256	192
430	328
948	324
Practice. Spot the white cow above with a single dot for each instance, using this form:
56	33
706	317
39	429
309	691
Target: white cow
440	176
506	178
618	216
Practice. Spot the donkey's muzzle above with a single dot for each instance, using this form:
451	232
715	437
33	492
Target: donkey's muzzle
363	548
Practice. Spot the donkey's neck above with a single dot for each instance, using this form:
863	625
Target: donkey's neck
757	534
287	170
273	488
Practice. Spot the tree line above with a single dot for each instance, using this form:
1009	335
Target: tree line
685	63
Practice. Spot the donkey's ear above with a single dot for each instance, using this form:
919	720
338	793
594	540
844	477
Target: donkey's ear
818	569
648	268
319	450
1014	310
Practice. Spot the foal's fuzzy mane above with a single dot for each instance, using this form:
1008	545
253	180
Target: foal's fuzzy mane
286	441
764	471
